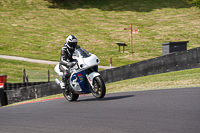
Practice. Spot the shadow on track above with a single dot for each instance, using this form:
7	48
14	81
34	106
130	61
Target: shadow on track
106	98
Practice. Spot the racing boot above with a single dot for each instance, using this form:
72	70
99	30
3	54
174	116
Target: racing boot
63	82
62	85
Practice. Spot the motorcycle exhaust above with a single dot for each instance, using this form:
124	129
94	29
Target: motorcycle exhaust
57	81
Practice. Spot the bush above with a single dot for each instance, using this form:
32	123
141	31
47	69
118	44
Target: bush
194	2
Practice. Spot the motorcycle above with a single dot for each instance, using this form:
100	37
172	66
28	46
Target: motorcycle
84	77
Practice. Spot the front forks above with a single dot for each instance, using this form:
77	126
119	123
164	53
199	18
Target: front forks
90	77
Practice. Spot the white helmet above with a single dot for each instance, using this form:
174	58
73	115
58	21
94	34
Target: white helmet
71	41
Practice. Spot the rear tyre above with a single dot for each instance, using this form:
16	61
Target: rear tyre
69	94
99	89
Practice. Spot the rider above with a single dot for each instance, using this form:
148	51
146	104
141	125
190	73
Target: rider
66	61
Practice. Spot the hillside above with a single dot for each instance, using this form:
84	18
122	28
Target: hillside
37	29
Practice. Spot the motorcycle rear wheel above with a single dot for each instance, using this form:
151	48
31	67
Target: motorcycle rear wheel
70	96
99	89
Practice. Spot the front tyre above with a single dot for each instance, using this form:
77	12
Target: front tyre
99	89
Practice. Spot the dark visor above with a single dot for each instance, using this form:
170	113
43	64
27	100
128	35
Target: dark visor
72	44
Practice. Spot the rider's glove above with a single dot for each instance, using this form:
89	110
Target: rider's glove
71	64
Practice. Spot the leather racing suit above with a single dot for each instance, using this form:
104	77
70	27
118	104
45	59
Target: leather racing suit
66	61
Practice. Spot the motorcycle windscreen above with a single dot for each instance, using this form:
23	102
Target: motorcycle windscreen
80	53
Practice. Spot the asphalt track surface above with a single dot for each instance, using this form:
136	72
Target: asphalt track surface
156	111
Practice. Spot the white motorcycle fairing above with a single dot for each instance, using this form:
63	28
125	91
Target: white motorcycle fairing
57	70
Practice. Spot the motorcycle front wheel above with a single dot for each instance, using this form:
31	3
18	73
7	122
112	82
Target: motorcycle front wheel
99	89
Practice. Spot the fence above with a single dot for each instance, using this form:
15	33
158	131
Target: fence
167	63
40	75
36	83
31	91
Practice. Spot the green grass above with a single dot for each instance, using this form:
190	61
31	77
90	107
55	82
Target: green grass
36	72
37	29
